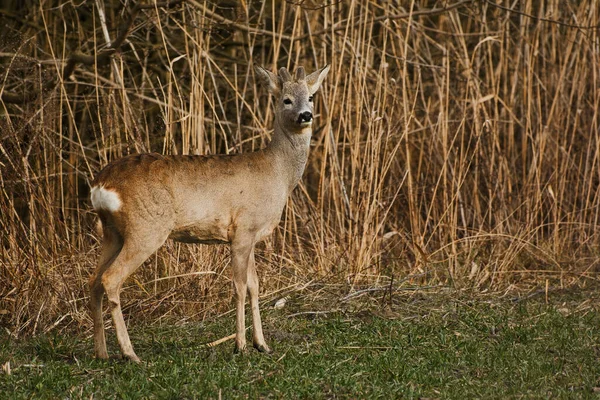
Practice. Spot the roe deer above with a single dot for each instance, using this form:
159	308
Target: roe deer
142	200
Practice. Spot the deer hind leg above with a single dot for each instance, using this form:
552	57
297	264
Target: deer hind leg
241	252
111	245
133	253
258	339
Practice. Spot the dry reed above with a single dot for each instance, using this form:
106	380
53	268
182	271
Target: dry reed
457	143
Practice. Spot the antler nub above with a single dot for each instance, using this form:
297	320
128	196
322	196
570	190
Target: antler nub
300	74
285	75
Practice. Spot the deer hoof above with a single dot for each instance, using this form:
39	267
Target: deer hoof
263	348
239	349
133	358
102	355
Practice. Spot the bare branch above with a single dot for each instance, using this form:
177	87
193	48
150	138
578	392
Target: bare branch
101	58
433	11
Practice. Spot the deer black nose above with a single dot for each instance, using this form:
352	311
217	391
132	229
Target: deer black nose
306	116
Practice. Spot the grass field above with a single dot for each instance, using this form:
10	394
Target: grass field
420	345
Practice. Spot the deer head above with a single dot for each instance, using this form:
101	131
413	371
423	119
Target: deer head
293	96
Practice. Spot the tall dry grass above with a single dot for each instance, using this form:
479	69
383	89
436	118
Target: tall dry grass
456	142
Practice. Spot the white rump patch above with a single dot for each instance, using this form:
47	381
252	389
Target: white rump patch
105	199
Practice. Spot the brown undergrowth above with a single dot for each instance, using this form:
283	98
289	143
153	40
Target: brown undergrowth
457	143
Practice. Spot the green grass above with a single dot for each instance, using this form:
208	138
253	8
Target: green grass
434	347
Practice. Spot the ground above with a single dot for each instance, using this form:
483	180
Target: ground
416	345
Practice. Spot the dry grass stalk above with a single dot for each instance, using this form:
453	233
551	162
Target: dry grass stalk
453	147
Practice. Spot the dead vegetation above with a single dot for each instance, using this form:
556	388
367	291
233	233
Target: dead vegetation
457	143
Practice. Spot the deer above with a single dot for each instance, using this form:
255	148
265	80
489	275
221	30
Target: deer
237	199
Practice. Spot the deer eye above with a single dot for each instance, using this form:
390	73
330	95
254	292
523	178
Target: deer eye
287	101
310	98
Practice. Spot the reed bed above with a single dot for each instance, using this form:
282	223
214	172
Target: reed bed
456	143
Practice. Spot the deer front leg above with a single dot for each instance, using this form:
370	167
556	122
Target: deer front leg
240	256
258	339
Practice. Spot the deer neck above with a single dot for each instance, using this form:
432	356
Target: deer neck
291	149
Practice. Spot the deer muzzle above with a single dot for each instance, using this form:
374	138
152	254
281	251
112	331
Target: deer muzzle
305	117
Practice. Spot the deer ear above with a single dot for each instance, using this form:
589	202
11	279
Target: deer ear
314	80
267	79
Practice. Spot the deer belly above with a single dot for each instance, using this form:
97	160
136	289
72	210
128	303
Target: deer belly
199	234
